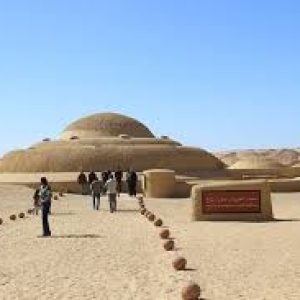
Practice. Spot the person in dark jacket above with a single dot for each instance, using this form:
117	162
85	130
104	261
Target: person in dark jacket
45	195
104	176
82	180
92	177
119	177
131	179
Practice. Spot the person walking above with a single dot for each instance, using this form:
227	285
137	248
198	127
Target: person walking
111	188
45	195
92	177
105	177
131	179
82	180
96	188
128	182
119	177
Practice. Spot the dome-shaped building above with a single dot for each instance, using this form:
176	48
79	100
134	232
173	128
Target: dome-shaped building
108	141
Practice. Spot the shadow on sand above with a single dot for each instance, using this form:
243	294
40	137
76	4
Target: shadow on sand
275	220
189	270
287	220
63	214
76	236
128	210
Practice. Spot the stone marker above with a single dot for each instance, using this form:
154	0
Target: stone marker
191	291
169	245
21	215
13	217
179	263
151	217
232	201
158	223
165	234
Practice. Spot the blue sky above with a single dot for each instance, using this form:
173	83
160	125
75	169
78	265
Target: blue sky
214	74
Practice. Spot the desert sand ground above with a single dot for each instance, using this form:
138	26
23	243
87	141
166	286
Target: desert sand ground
96	255
240	260
92	255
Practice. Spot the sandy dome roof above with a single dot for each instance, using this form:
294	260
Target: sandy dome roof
256	162
106	125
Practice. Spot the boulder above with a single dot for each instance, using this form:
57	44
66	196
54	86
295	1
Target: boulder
165	234
12	217
158	223
191	291
169	245
151	217
140	198
21	215
179	263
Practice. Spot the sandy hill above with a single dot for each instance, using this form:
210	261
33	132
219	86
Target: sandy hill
285	157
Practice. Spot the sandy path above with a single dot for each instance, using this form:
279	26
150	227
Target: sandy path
91	255
102	256
240	260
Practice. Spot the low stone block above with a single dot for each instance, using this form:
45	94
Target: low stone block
232	201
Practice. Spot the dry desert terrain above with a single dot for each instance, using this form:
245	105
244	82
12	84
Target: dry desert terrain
96	255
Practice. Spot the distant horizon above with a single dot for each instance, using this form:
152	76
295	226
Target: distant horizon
213	75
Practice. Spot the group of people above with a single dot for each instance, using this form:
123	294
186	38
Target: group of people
131	180
99	188
110	184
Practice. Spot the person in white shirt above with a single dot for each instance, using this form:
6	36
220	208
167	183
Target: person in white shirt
111	189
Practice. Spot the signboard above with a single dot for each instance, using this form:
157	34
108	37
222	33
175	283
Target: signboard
235	201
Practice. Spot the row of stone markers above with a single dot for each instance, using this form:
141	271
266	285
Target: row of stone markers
13	217
192	290
30	211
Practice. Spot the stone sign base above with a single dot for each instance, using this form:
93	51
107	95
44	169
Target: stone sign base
232	201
